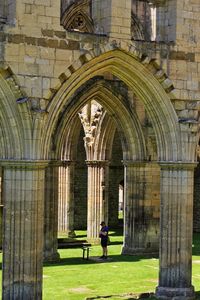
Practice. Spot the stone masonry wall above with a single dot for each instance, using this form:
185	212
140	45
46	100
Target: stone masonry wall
112	17
38	49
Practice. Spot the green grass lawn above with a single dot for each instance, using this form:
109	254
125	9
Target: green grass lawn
122	277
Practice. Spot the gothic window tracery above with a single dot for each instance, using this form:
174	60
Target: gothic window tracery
78	22
76	17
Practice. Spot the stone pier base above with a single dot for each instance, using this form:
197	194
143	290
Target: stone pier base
167	293
55	257
140	251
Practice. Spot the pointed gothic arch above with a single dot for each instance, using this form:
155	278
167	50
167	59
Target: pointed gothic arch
15	129
151	89
128	125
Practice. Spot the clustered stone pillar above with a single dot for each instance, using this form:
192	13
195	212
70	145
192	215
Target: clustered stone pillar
97	198
141	216
177	182
51	213
23	192
66	199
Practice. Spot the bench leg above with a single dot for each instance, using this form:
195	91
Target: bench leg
88	251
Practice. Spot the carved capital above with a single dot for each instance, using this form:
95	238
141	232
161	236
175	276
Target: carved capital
90	116
97	163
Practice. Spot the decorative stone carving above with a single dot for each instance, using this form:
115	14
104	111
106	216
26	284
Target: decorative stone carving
90	116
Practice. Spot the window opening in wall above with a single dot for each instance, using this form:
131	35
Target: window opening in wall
153	23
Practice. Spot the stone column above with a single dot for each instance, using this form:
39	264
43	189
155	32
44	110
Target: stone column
97	198
23	194
51	213
177	181
141	202
66	199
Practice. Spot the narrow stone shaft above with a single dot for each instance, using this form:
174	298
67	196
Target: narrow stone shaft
176	231
51	213
97	198
23	191
66	199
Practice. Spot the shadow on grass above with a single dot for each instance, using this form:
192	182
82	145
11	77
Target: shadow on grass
127	296
115	243
197	295
96	260
196	244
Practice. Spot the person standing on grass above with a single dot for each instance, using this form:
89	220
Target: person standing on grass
103	234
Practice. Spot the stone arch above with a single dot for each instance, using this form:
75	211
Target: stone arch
105	138
132	140
15	127
70	137
141	74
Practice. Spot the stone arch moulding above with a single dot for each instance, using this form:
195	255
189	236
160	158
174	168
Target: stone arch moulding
15	129
128	125
143	75
137	30
68	147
